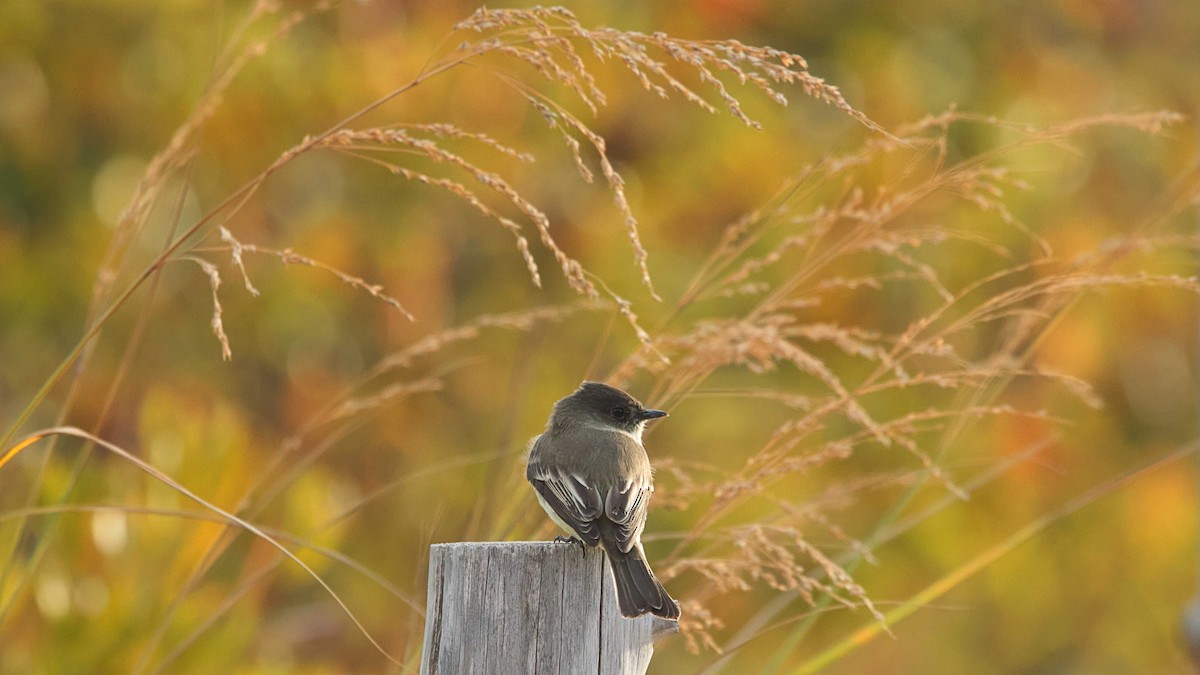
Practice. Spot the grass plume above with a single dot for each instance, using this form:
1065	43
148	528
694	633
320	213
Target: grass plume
832	351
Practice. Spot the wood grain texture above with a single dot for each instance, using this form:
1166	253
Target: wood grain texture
530	607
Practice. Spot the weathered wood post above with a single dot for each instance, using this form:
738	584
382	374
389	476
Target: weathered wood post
530	607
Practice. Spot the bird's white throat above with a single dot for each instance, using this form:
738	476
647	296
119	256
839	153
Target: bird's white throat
636	434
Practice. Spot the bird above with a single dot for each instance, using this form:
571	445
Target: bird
592	476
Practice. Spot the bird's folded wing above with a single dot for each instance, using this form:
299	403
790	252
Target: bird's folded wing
576	502
625	505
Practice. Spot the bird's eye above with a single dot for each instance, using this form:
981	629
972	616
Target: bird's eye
619	413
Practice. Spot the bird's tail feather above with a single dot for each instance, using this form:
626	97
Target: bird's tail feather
638	590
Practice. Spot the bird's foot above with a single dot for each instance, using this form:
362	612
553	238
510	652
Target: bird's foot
572	540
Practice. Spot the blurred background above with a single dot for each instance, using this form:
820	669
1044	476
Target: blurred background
90	91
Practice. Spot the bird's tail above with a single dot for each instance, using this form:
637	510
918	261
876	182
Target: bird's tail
638	590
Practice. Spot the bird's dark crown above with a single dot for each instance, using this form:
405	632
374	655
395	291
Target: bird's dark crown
605	405
601	397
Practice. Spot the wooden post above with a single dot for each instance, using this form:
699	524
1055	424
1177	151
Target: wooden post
530	607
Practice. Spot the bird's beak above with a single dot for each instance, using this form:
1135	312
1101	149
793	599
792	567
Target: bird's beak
651	414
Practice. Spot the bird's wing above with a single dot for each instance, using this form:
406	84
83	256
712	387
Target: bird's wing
573	499
625	505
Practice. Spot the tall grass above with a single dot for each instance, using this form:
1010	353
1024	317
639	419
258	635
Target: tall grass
829	358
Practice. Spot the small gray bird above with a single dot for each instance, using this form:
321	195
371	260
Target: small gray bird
593	478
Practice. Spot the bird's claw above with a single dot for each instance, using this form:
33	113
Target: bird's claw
572	540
